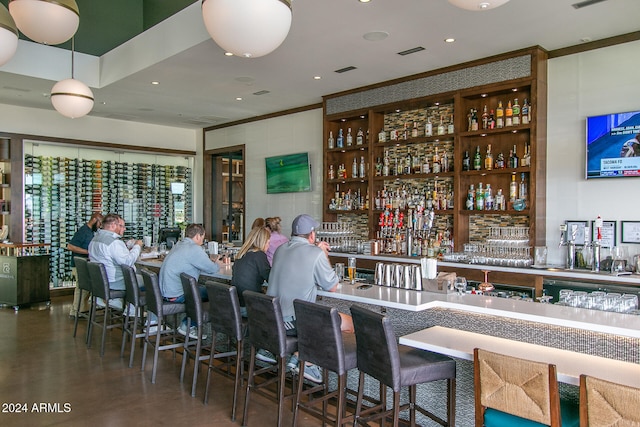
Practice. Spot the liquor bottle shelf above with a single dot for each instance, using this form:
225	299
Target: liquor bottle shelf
507	171
488	132
414	176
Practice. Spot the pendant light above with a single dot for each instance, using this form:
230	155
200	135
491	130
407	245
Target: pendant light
478	5
46	21
247	28
8	36
71	97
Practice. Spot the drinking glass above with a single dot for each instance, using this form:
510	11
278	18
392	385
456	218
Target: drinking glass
460	285
351	269
339	268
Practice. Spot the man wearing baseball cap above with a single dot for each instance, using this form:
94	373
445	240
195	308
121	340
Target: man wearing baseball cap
299	267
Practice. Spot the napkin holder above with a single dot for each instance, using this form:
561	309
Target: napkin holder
439	284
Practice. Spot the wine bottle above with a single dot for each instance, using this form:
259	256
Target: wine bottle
466	161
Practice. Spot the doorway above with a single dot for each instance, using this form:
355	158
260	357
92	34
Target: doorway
224	195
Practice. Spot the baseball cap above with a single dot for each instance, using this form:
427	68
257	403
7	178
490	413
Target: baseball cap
304	224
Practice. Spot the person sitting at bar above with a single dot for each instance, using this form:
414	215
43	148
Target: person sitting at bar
257	223
251	268
277	238
186	256
299	267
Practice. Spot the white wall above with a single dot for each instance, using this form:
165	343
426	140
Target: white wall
587	84
296	133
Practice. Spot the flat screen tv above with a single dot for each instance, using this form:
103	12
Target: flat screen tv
613	145
290	173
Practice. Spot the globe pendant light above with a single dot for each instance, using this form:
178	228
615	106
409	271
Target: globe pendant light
71	97
478	5
247	28
8	36
46	21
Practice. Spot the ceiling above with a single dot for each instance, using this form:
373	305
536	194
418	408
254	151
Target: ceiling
199	86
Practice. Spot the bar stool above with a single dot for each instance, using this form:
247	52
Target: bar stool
100	289
321	342
196	316
516	392
161	309
84	284
133	327
267	331
225	317
395	366
603	403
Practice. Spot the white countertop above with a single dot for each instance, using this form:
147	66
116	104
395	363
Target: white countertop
579	318
224	272
569	364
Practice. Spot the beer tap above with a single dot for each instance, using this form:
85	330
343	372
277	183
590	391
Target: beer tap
570	243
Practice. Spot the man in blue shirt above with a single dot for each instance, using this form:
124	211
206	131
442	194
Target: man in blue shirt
79	246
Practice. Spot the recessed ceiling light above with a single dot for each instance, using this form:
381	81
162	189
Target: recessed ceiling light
228	54
317	77
484	95
515	89
364	1
450	40
375	36
238	99
155	83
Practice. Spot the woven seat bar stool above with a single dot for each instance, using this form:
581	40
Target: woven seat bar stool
225	317
603	403
397	366
267	331
321	342
162	310
100	289
510	391
84	284
133	325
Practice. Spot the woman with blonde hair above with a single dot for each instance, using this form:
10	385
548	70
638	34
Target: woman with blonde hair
277	238
251	268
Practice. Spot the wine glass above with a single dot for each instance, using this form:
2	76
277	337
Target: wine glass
460	285
486	286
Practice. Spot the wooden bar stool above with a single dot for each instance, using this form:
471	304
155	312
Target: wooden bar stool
133	324
603	403
397	366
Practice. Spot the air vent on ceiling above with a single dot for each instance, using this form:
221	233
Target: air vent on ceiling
410	51
586	3
345	69
261	92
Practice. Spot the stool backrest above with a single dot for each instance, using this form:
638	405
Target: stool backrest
266	327
131	288
376	345
520	387
192	301
99	280
602	401
319	335
84	280
152	292
224	309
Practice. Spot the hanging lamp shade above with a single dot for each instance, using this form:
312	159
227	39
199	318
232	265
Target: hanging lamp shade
46	21
478	4
8	36
72	98
247	28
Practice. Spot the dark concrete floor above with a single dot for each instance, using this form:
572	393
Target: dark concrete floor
53	379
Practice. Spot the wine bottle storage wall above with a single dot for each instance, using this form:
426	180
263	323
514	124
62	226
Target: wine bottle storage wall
62	193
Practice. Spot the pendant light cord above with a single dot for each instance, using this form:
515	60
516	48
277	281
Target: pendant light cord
73	39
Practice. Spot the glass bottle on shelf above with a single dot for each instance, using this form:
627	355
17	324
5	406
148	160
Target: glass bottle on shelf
414	130
378	167
450	126
362	167
466	161
471	198
513	189
382	136
515	160
499	203
408	163
436	162
354	168
426	167
477	159
522	188
485	118
332	172
428	127
492	121
444	162
359	137
500	161
526	157
441	130
499	116
331	141
349	138
488	198
417	164
516	112
386	164
474	119
479	197
488	159
508	115
526	112
340	140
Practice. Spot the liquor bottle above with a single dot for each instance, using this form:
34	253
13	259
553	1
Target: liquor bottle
414	130
428	127
522	188
340	140
444	163
441	126
408	163
479	198
386	164
359	137
516	112
508	115
417	164
354	168
485	118
405	131
513	190
499	116
382	136
362	167
471	196
466	161
500	161
499	203
515	161
526	157
393	135
378	166
488	159
474	119
450	127
436	162
331	142
488	198
426	167
477	160
349	138
526	118
492	121
332	172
